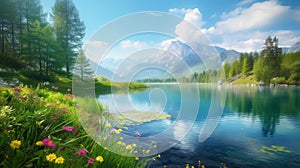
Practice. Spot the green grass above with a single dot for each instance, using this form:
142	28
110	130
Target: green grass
30	115
245	80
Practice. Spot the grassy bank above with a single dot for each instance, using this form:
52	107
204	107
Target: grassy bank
40	128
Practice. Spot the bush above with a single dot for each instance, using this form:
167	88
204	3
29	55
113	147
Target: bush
278	80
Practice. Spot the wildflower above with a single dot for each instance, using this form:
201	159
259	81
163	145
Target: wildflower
15	144
137	158
137	134
187	166
39	143
81	152
202	166
121	138
54	119
51	157
68	128
154	146
158	155
108	125
69	90
153	159
120	130
49	143
38	123
99	159
148	151
113	130
91	161
129	147
17	89
59	160
134	145
119	143
193	167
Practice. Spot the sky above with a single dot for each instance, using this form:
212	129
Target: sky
239	25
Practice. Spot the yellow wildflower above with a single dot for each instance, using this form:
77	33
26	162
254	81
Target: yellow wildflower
148	151
202	166
119	142
129	147
121	138
187	166
38	123
158	155
15	144
108	125
59	160
39	143
51	157
99	159
134	145
137	158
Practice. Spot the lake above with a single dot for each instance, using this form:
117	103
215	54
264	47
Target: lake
240	126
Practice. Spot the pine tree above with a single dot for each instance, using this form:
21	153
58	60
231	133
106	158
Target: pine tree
82	67
69	30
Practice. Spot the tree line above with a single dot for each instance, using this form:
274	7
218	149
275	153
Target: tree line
31	40
268	66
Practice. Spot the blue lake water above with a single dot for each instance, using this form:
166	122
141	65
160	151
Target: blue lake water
244	123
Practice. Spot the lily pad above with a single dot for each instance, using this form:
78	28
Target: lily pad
140	117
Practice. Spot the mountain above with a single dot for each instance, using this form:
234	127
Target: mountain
178	59
227	55
100	70
294	48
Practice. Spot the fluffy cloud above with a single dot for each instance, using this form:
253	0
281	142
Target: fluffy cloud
245	29
245	2
188	30
133	44
96	43
259	15
193	16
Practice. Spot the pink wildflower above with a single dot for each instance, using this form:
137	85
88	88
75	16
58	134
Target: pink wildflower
49	143
91	161
69	90
68	128
137	134
81	152
17	89
113	130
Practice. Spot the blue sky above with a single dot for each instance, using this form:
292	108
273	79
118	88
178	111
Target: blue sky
240	25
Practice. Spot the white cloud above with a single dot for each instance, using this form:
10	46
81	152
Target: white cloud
245	2
96	43
245	29
193	16
133	44
188	30
259	15
254	40
166	43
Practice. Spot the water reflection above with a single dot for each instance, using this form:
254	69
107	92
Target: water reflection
253	117
268	104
